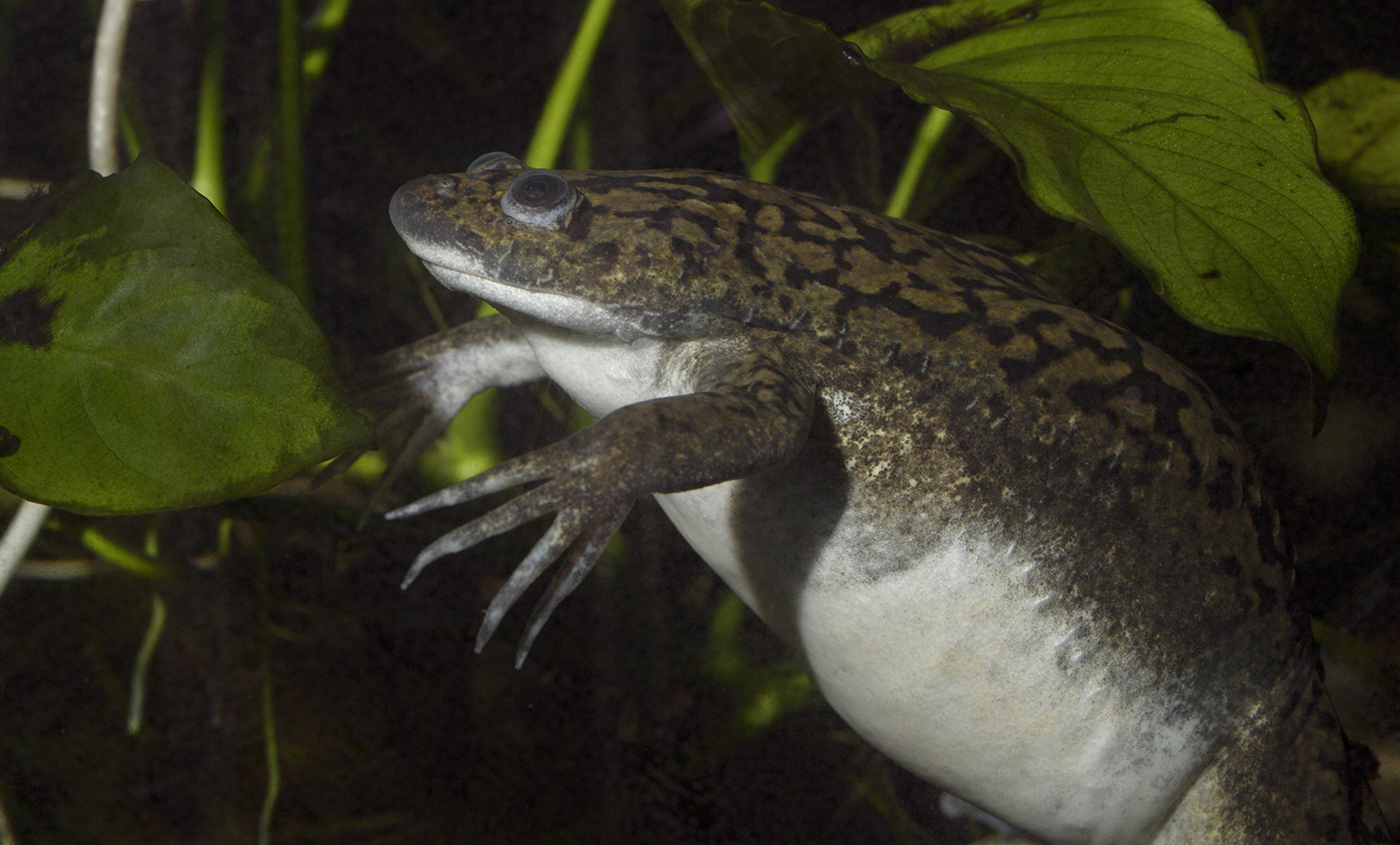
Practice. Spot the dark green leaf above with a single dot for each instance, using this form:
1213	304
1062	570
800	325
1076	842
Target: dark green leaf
150	362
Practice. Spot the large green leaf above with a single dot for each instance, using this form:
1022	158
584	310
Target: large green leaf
1357	116
149	362
1145	120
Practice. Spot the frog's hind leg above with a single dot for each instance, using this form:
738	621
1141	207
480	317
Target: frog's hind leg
1294	779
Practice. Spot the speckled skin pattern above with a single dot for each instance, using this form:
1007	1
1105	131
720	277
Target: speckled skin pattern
955	393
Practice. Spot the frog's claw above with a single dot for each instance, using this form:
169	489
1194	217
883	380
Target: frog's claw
551	462
517	512
583	553
581	530
522	470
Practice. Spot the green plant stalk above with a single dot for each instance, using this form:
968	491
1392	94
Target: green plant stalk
208	175
559	106
225	538
122	557
469	446
931	132
130	142
269	724
152	542
790	690
1247	24
291	201
581	144
724	658
143	663
765	167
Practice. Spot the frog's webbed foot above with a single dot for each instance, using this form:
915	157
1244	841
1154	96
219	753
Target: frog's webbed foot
588	518
424	424
413	392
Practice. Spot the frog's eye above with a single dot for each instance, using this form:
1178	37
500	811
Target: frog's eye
540	198
495	161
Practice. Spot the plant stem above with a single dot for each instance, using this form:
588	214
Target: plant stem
106	77
765	167
269	724
19	536
208	176
931	131
291	202
559	107
143	663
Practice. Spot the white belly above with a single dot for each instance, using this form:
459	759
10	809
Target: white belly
952	669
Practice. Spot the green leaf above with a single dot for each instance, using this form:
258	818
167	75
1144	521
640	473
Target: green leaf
150	362
1145	120
1357	117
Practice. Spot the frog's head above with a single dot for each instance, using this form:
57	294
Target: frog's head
615	254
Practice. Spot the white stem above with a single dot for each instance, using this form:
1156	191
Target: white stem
106	76
18	189
19	537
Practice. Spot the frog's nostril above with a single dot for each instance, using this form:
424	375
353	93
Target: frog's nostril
407	206
444	187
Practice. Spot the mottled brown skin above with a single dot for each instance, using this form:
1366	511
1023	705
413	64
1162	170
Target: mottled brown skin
1011	406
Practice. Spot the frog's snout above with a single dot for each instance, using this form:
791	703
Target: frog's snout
410	203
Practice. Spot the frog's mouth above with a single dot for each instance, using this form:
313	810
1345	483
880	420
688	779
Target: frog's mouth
557	309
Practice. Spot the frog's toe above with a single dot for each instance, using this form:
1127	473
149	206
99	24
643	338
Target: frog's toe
582	556
518	511
956	808
554	543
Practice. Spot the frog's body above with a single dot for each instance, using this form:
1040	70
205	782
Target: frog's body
1021	551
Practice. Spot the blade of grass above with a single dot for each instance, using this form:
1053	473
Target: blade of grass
123	558
765	168
328	21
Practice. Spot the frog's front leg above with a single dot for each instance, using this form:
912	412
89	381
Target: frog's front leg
415	391
748	411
